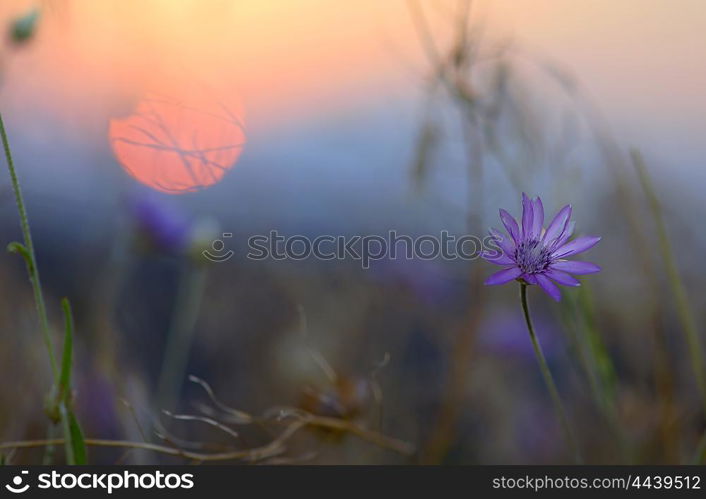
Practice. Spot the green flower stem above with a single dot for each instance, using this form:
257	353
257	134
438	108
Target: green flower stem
548	379
30	257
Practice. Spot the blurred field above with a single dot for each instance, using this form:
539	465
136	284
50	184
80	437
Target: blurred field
351	119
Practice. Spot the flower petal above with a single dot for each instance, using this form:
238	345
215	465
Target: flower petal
537	217
578	268
548	287
506	244
562	277
568	232
578	245
527	216
558	225
529	278
504	276
511	225
497	258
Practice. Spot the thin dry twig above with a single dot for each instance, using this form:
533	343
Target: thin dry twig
274	448
203	419
236	415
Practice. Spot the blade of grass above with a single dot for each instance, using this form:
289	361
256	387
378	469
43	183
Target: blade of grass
74	441
181	336
64	384
572	323
78	442
645	265
73	435
597	348
27	251
66	427
676	283
50	450
579	317
59	399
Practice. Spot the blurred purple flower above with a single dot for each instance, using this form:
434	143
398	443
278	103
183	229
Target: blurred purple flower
428	280
96	404
505	335
537	256
535	430
161	225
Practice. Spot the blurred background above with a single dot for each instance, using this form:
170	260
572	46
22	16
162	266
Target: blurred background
313	117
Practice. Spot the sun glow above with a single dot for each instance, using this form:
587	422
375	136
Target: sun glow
178	144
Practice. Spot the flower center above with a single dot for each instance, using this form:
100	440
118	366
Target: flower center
532	256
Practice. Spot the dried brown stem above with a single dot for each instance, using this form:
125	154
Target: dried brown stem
274	448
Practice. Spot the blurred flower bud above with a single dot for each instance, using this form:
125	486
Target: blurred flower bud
160	225
24	27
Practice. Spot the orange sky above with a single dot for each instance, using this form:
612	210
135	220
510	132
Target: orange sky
277	55
644	61
301	53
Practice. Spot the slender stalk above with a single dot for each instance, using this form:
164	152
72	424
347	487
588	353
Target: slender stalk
578	318
181	336
548	379
49	450
686	317
448	68
56	403
70	455
30	256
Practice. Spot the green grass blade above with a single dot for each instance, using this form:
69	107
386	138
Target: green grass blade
604	365
20	249
66	426
78	443
73	435
678	289
67	355
27	252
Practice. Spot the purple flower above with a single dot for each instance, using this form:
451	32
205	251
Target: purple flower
505	335
161	225
537	256
427	280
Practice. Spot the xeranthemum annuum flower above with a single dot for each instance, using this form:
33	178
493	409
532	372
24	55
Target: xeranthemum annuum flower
537	256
